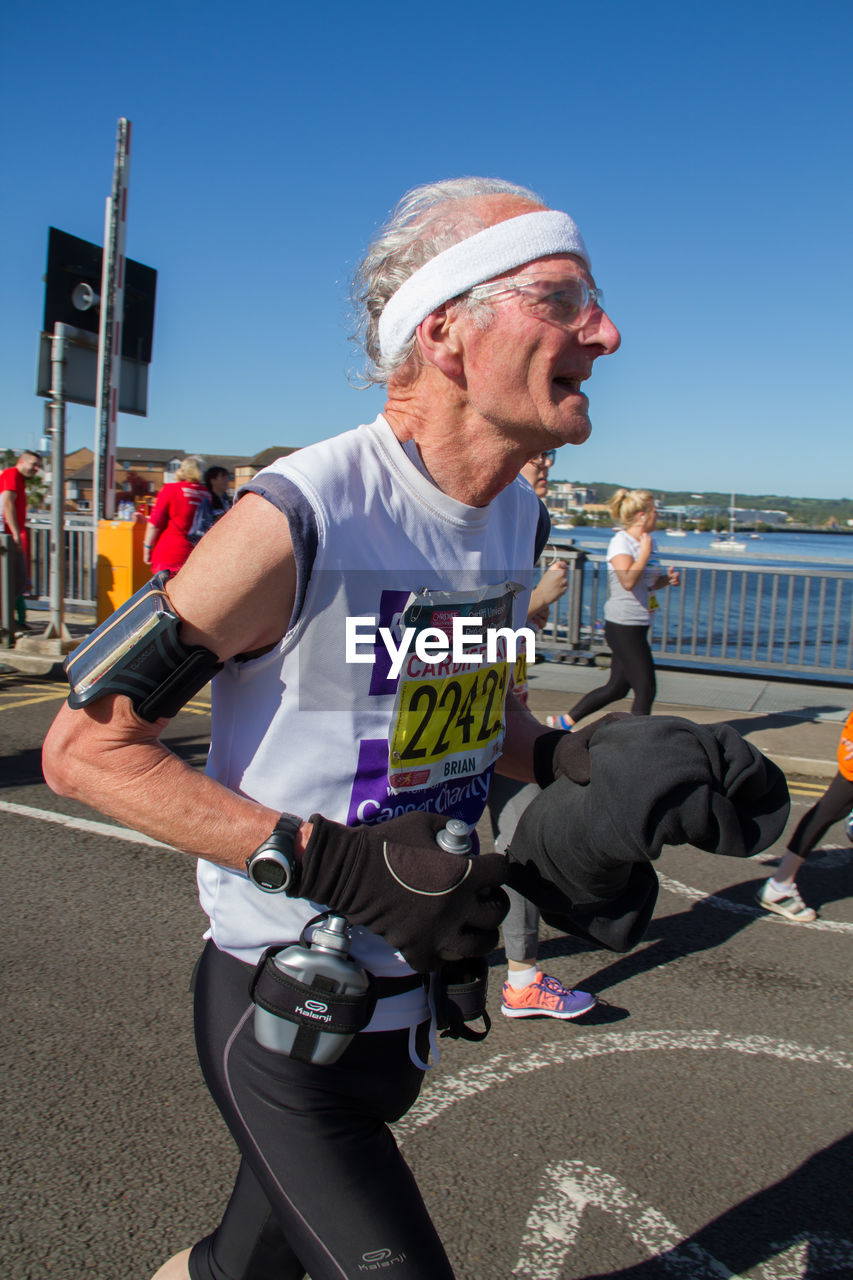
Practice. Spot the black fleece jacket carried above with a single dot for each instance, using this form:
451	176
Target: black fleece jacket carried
583	853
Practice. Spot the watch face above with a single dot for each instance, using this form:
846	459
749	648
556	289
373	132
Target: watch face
269	874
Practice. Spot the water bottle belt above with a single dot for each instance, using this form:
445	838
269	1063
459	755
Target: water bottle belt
397	986
317	1005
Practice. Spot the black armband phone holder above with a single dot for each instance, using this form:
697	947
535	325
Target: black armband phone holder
138	651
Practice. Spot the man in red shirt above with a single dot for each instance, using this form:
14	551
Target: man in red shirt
13	520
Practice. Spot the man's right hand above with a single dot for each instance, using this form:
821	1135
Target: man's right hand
395	880
560	754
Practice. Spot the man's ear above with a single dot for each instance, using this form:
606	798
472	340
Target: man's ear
440	342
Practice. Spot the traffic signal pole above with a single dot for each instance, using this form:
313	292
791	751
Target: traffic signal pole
56	630
109	339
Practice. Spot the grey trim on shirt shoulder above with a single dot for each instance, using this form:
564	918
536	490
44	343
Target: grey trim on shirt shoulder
289	499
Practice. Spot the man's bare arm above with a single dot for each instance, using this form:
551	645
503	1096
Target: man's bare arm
236	595
522	730
10	515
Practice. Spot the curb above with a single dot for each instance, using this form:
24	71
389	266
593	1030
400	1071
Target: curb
801	766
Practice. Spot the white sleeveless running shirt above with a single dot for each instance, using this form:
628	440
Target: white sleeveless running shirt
303	730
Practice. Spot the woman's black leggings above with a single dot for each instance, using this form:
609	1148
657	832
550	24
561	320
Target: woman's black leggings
632	667
835	804
322	1189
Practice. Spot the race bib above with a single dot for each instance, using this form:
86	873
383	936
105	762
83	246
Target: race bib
519	676
448	719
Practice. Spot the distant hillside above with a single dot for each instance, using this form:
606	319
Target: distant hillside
816	512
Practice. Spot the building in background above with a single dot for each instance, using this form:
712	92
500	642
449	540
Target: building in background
141	473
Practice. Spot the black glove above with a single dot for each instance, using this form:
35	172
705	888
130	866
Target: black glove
394	879
561	754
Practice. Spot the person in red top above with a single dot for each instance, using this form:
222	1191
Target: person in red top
13	520
167	543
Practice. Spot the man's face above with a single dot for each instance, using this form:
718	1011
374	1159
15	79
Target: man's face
524	372
536	471
28	465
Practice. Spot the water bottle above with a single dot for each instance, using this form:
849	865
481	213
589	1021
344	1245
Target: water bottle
326	956
455	837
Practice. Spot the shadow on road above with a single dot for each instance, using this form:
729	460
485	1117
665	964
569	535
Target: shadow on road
809	1213
701	928
781	719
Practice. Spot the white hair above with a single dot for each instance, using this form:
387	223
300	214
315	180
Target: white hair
426	221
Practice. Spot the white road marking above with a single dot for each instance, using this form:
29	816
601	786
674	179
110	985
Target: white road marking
744	909
570	1187
553	1224
81	824
505	1066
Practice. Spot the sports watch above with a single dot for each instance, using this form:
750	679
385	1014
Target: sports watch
273	867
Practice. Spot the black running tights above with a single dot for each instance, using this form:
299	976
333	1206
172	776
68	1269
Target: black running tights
835	804
632	667
322	1189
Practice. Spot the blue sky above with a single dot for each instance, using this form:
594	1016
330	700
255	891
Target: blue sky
704	149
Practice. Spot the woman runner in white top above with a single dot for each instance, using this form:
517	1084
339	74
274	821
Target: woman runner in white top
633	576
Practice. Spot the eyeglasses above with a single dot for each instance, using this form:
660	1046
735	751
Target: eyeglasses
545	458
568	302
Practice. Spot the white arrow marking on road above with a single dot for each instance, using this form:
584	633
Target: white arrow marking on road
570	1187
554	1222
809	1256
505	1066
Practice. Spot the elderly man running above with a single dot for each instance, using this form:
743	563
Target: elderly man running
342	740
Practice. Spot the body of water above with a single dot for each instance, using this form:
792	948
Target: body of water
796	617
796	549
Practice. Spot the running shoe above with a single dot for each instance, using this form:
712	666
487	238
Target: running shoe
544	997
788	904
849	828
559	722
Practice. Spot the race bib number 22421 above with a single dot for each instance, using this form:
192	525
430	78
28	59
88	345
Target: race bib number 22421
448	717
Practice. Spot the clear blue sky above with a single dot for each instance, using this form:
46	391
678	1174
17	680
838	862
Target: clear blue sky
704	149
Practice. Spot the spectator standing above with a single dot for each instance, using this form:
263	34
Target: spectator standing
633	576
13	520
167	538
217	481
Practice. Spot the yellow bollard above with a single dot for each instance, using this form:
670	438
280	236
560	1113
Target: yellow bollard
120	568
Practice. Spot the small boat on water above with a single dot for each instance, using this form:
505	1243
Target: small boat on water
677	532
727	542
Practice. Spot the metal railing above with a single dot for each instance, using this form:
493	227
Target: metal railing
748	618
80	582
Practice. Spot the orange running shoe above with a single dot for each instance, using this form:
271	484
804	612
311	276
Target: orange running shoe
544	997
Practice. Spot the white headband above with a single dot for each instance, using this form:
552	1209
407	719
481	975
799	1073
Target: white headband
479	258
